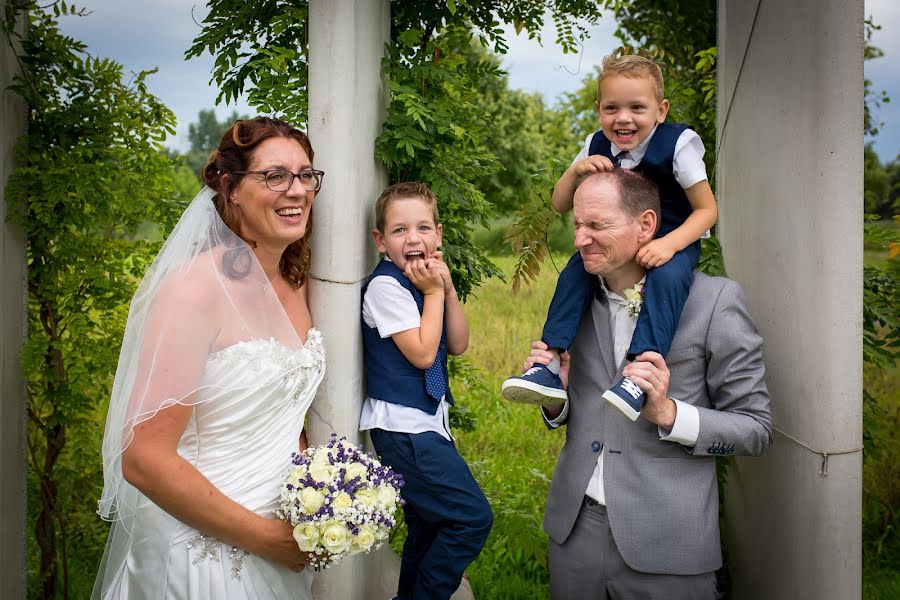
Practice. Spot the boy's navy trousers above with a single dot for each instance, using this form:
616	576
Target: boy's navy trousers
665	292
447	516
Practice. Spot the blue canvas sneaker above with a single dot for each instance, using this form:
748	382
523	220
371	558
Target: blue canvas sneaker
537	385
627	397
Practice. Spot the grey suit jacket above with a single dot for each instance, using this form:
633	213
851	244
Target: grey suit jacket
661	497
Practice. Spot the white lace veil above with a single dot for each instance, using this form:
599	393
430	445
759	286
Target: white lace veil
204	291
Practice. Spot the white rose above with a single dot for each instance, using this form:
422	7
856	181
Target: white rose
307	536
322	472
297	475
342	500
356	470
335	537
364	540
321	457
311	499
366	496
387	495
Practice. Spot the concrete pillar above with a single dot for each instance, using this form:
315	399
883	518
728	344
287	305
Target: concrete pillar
12	334
346	111
790	188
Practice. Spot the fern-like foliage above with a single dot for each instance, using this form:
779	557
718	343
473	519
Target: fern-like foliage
528	234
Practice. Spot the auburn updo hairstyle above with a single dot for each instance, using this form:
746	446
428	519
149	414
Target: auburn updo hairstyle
235	153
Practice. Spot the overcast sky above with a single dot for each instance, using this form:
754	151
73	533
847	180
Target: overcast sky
143	34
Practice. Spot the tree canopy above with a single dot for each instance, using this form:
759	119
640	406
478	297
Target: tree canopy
436	130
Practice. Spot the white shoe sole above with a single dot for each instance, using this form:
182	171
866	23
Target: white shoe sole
526	392
623	406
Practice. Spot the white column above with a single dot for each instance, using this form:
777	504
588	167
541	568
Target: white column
790	188
12	334
346	111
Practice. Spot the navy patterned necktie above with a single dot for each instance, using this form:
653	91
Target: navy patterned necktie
435	380
617	159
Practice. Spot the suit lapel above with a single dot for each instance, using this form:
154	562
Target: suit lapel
604	334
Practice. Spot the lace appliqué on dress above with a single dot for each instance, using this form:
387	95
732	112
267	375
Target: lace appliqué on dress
209	548
294	365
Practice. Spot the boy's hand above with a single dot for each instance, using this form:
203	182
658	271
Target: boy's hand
656	253
428	281
592	164
437	263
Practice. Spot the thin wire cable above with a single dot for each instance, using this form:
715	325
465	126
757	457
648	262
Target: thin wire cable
737	82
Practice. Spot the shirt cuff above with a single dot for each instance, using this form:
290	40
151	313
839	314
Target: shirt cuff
554	423
686	429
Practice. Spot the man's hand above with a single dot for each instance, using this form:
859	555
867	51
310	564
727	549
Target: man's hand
428	281
541	355
656	253
649	371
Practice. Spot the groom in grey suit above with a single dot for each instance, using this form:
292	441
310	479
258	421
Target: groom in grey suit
633	509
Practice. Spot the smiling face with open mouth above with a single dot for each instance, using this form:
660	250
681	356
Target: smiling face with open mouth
274	219
629	110
410	232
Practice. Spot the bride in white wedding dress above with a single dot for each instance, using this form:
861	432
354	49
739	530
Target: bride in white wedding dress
218	367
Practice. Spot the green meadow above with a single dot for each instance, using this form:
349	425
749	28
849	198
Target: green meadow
511	451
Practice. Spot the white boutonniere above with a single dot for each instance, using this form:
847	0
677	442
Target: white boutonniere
635	299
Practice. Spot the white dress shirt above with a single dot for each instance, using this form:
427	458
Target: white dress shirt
686	428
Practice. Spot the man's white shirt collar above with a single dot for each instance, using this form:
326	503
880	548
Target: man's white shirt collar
618	298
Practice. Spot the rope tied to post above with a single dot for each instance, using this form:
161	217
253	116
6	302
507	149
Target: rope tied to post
823	453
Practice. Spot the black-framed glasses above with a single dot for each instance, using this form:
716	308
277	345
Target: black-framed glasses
281	180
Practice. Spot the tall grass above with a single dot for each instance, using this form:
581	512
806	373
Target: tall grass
510	451
881	489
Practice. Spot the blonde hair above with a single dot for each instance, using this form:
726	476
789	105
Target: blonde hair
400	191
633	66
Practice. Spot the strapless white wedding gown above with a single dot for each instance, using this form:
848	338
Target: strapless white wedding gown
242	442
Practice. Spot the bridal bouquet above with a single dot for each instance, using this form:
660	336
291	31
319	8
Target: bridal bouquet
340	500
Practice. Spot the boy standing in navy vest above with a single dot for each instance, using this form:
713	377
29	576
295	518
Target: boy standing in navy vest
633	135
412	319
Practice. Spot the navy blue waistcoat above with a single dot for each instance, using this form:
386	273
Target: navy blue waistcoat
389	375
657	165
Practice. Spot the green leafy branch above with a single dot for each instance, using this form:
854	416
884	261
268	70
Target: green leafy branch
528	233
90	175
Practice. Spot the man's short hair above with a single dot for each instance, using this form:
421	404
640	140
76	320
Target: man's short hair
633	66
400	191
636	192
